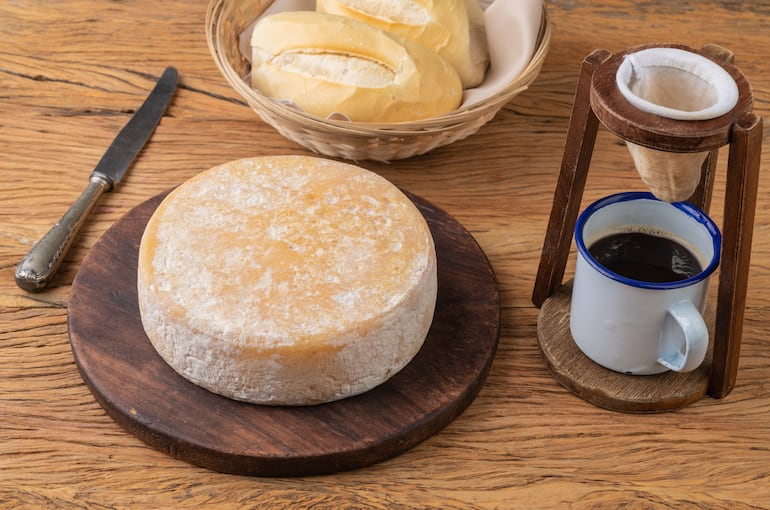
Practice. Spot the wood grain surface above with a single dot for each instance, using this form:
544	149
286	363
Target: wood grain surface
143	394
72	71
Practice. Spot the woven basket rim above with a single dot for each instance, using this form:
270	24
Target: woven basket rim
449	121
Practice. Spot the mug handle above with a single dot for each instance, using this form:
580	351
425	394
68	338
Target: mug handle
683	341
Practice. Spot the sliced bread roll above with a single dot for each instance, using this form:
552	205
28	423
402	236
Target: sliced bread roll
452	28
287	280
332	64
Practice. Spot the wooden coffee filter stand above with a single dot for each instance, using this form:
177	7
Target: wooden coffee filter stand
598	99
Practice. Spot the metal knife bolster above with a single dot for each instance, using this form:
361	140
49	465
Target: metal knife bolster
37	269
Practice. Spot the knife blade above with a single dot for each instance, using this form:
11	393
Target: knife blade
37	269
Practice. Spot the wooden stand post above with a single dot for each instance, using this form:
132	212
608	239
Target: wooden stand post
598	99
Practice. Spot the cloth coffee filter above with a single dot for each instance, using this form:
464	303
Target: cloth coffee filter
680	85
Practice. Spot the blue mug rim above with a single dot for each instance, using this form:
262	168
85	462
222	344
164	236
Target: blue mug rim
689	209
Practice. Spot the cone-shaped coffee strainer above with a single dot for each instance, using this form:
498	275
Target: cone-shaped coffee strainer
680	85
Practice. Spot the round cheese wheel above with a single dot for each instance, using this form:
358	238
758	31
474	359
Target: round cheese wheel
287	280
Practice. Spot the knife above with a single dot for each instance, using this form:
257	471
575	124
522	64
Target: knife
37	269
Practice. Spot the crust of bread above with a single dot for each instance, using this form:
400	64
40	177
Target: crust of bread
287	280
452	28
329	64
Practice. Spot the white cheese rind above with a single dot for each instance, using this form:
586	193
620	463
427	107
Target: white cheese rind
287	280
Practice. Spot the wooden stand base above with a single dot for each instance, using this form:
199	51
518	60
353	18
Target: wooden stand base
606	388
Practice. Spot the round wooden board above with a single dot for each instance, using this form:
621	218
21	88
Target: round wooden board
604	387
144	395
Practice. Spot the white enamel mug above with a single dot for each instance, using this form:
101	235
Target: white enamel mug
638	327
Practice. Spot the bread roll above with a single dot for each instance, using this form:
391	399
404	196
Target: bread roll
287	280
452	28
326	64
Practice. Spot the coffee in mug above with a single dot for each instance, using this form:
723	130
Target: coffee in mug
641	283
645	257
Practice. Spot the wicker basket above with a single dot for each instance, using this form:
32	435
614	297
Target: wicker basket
226	19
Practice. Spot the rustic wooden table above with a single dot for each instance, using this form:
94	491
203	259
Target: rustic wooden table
72	71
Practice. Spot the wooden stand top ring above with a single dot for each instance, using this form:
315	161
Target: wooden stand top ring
654	131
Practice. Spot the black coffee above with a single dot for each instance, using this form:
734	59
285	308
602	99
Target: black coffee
645	257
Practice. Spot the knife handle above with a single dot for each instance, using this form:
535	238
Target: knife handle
37	269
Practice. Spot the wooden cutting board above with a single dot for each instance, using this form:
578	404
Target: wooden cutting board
145	396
